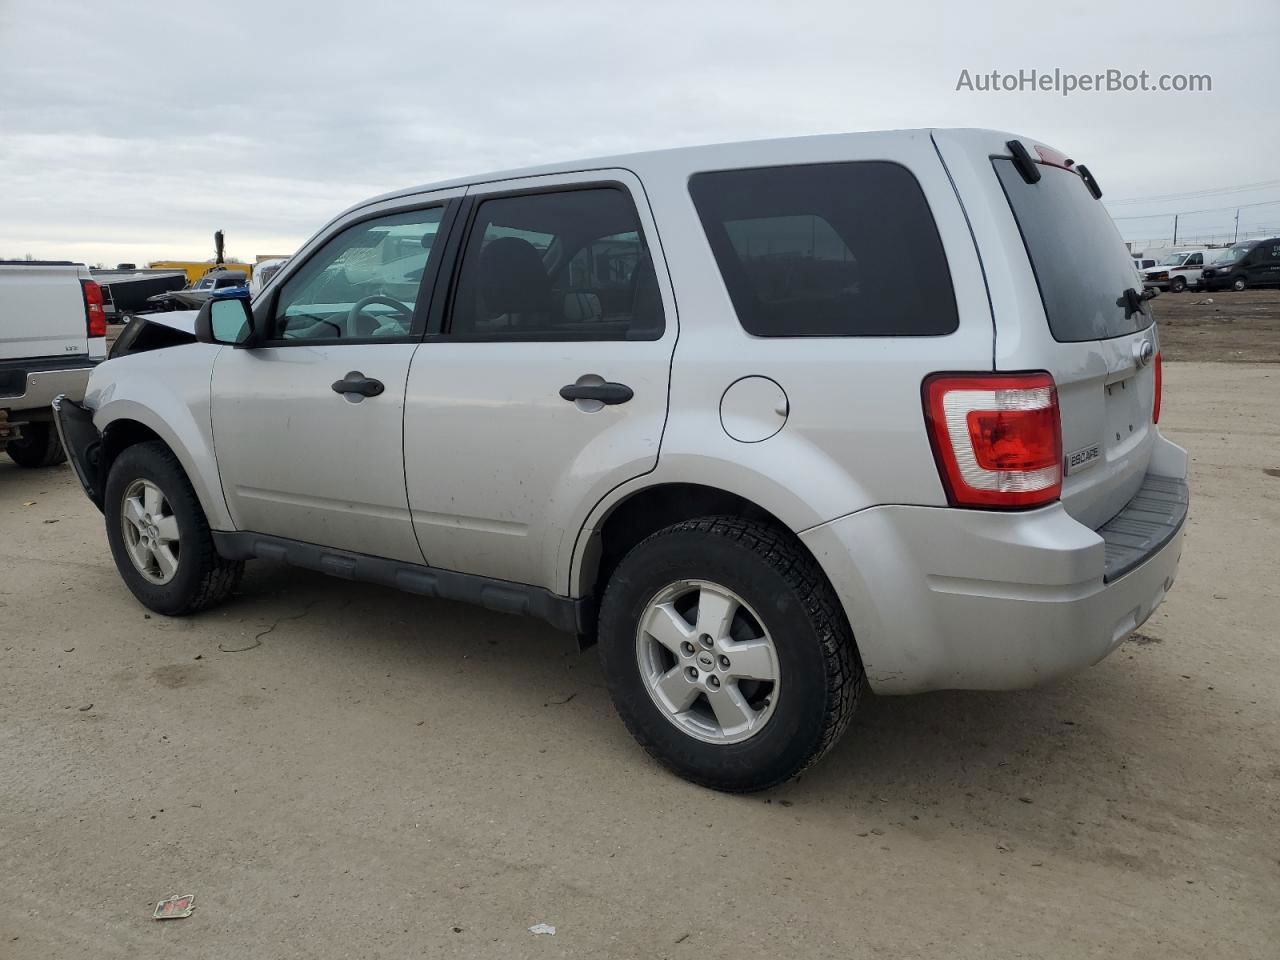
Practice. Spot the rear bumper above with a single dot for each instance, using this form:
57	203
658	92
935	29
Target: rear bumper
31	385
83	444
965	599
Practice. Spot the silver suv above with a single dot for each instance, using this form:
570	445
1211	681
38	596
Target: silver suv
771	421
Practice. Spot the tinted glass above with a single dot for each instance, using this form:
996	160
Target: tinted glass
1081	265
362	284
828	250
571	265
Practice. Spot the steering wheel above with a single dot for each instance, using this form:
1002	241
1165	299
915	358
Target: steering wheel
353	316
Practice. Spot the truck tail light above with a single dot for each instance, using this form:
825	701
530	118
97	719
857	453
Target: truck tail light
95	314
997	438
1155	403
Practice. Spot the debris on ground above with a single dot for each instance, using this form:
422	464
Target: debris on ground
175	908
560	698
539	928
87	706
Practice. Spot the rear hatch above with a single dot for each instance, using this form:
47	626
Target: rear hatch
42	310
1065	300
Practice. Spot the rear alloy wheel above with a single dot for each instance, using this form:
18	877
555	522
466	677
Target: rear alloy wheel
38	446
727	653
708	662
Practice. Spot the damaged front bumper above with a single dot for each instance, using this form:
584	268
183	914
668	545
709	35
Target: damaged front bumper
83	443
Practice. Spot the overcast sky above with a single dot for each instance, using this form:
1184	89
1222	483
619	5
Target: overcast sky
129	131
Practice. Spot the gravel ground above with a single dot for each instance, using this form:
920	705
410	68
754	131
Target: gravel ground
384	776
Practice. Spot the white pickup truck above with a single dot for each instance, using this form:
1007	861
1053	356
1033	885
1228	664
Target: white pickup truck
52	334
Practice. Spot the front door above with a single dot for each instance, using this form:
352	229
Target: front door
308	425
547	384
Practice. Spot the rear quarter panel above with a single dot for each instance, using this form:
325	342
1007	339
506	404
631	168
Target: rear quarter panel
854	435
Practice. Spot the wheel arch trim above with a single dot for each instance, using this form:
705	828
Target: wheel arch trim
187	442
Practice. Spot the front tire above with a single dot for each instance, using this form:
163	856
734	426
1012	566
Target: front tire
159	536
727	653
39	446
1238	284
1178	285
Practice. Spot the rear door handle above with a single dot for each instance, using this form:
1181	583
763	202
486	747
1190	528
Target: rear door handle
357	382
606	393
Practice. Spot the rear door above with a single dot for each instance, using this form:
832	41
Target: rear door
1063	295
545	385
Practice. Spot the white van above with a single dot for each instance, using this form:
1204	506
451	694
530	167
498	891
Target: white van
1177	271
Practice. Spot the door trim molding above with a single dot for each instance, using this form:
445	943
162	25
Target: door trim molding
503	596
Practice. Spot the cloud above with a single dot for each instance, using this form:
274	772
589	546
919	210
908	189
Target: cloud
133	135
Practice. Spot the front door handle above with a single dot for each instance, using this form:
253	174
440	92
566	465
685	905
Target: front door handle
357	382
606	393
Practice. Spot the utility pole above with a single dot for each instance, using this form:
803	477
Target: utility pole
1237	233
1175	229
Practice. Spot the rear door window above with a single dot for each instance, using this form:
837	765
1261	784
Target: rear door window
1081	265
828	250
568	264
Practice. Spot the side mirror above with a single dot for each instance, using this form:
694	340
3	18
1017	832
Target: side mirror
227	320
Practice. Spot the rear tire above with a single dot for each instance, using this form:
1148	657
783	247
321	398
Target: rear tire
39	446
166	555
782	616
1238	284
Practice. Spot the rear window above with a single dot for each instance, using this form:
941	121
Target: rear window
1081	265
828	250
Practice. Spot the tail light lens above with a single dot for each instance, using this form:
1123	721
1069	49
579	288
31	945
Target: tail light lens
95	314
997	438
1155	404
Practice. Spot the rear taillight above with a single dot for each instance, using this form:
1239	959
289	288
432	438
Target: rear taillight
95	315
1155	403
997	438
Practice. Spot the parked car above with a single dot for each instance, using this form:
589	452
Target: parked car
263	271
52	334
1177	271
859	463
220	278
1255	263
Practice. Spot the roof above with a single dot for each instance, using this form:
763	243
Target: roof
708	156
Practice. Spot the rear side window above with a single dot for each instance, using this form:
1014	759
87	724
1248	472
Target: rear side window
1081	265
828	250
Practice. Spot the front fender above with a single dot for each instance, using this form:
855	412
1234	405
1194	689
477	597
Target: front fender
167	391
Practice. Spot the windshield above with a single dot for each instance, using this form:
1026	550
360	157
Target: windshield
1234	253
1081	265
1175	260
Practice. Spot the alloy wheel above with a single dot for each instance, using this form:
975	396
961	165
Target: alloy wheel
150	531
708	662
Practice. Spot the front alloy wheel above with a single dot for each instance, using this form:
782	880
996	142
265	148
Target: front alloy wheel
708	662
150	531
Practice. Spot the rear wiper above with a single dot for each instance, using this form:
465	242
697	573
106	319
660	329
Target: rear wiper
1131	300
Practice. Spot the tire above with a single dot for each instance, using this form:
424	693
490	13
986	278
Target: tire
1238	284
1177	285
197	576
785	597
39	446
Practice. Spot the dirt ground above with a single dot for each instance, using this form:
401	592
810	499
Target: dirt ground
1224	325
378	775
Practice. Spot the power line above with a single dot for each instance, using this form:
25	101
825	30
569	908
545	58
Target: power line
1178	213
1194	194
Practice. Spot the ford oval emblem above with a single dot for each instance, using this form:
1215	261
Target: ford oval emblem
1143	352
